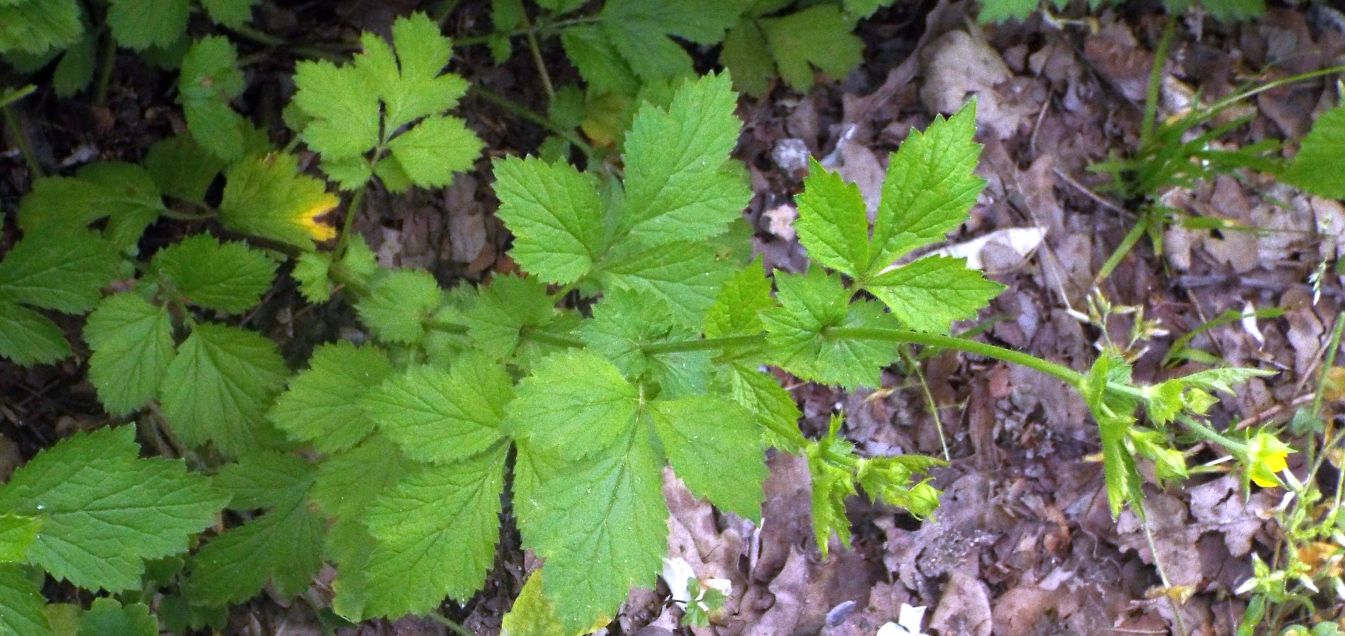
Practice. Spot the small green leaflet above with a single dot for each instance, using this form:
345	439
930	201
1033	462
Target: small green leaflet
132	343
555	214
49	269
105	511
376	102
572	397
210	79
686	276
266	196
715	446
532	613
435	534
228	277
738	307
1316	167
797	337
932	292
229	13
502	310
639	30
624	323
21	599
140	24
442	416
123	193
1114	418
794	46
223	380
399	303
28	338
107	616
322	404
38	26
17	532
282	546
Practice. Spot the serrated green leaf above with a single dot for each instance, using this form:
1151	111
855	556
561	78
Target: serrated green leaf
60	270
677	188
105	511
600	525
442	416
21	598
38	26
503	310
1224	379
574	405
229	13
929	189
74	72
434	150
435	535
1316	167
640	30
283	546
685	276
555	214
17	532
737	309
399	303
140	24
774	408
818	37
796	332
598	61
532	613
312	271
343	111
181	168
930	293
1114	419
267	197
107	616
624	323
123	193
227	277
209	80
833	224
28	338
132	343
747	56
224	378
416	88
322	404
715	447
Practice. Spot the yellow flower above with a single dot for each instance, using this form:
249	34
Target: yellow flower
308	218
1266	456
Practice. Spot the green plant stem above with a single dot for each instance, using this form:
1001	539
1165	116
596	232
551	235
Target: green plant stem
348	226
703	344
536	51
452	625
187	216
1273	84
1208	434
21	139
1127	243
1061	372
553	339
536	118
1332	347
13	95
106	65
930	403
1156	82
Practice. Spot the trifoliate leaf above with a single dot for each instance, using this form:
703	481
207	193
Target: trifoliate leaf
38	26
21	599
640	30
574	405
181	168
555	214
267	197
929	189
140	24
223	380
210	79
1316	167
322	404
435	149
229	13
598	61
600	524
17	532
502	310
227	277
797	332
28	338
930	293
283	546
132	343
60	270
715	447
124	193
685	276
105	511
532	613
399	303
435	535
677	187
107	616
411	86
624	323
442	416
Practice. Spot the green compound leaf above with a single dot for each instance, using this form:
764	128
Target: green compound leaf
282	546
140	24
797	332
35	27
502	310
21	599
677	187
442	416
1316	168
640	30
226	277
929	189
623	323
60	270
574	405
125	194
107	616
715	446
555	214
598	61
600	524
17	532
28	338
224	378
322	404
930	293
209	80
435	535
399	304
267	197
132	343
105	511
